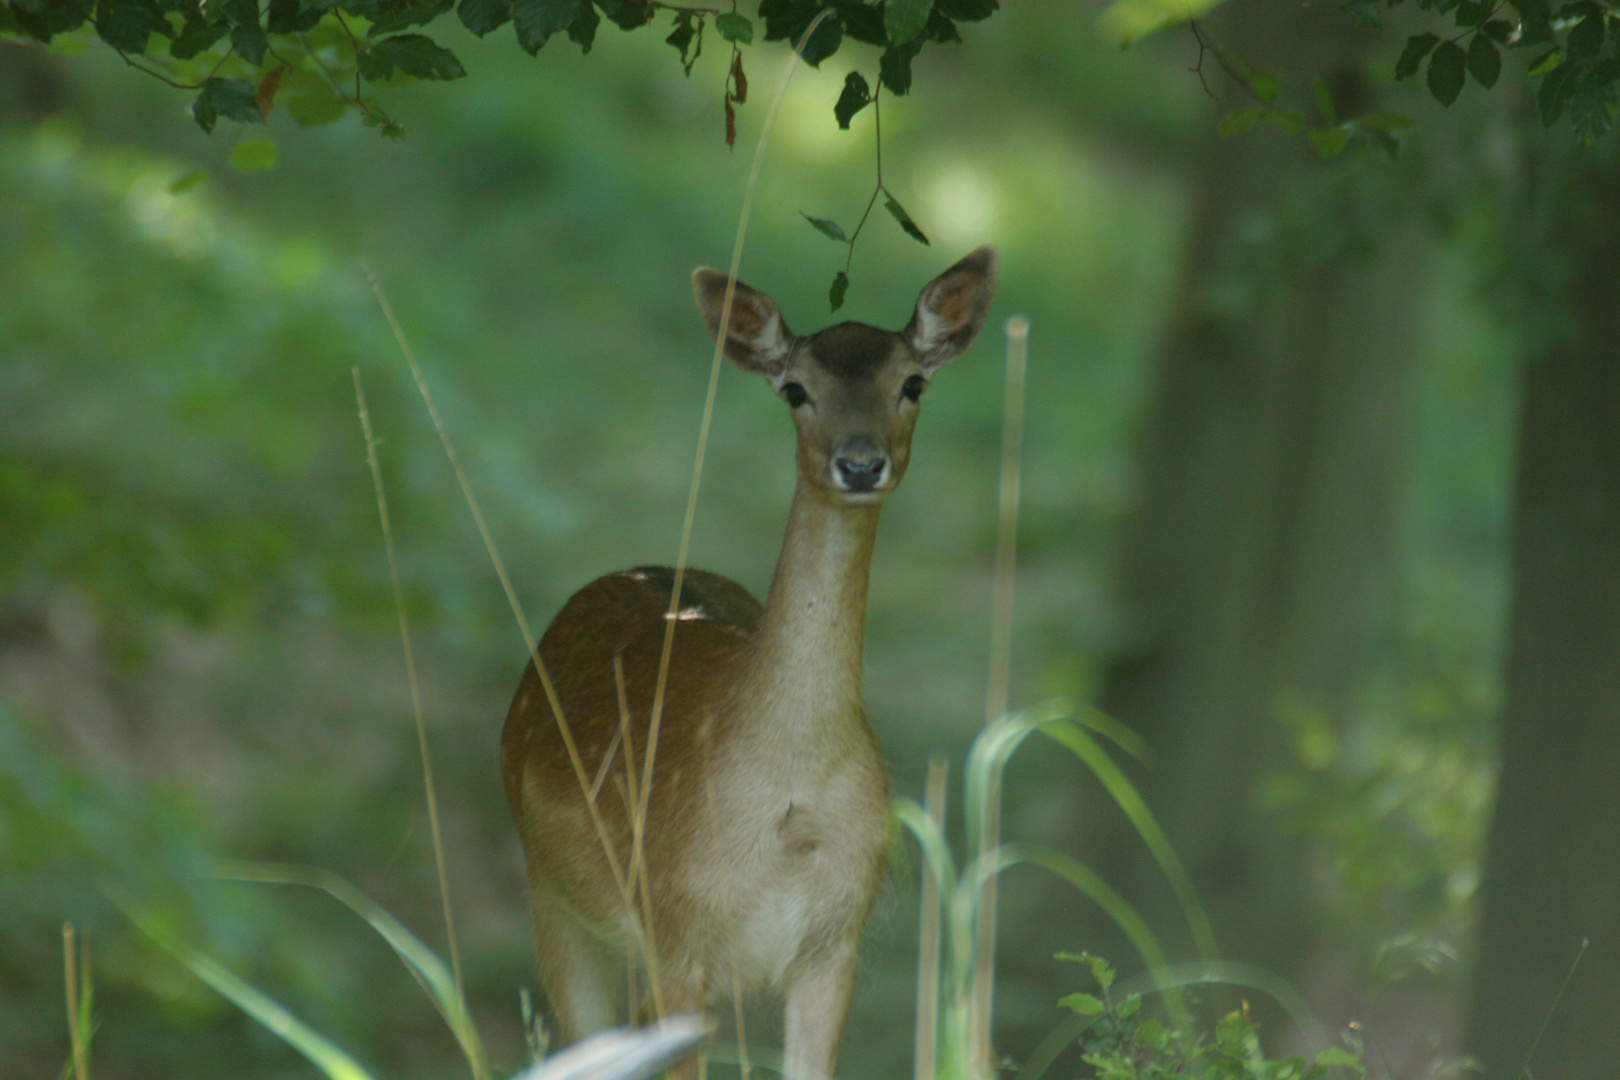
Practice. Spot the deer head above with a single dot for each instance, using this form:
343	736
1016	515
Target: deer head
853	389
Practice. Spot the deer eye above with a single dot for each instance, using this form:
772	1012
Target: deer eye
913	388
795	394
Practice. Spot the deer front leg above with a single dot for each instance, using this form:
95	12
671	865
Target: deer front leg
816	1005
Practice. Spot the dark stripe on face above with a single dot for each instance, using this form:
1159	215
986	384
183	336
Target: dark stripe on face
853	350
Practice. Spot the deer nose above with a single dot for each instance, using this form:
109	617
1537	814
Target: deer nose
861	474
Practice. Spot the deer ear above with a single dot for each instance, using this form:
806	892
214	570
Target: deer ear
952	308
757	340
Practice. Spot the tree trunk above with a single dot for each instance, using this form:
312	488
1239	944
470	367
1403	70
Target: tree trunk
1552	875
1257	569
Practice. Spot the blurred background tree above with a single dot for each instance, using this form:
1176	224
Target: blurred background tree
1270	476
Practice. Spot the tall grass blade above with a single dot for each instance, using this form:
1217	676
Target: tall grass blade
1085	880
1116	733
479	1070
499	565
80	994
1069	734
431	972
321	1052
989	755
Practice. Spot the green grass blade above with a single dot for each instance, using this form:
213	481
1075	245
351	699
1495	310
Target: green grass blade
431	972
936	853
1071	735
937	856
321	1052
994	745
1116	733
1085	880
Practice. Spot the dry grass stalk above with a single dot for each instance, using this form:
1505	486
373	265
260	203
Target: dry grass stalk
410	674
928	935
1012	447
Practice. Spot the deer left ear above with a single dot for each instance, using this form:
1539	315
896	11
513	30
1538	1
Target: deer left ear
757	340
952	308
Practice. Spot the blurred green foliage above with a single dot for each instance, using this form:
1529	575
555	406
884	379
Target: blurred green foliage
197	654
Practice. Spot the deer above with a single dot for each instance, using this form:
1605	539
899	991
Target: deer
763	838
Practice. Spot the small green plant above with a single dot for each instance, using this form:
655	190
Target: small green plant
1121	1042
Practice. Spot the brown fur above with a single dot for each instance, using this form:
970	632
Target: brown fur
765	835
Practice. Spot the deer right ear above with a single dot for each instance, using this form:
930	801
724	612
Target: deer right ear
951	310
757	340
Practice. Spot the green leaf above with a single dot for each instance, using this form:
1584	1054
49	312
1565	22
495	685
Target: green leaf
416	55
1129	1006
1341	1057
1101	969
735	28
1417	47
1586	39
1324	102
1328	142
823	43
373	116
189	182
1471	12
828	228
1499	30
904	219
1448	69
967	10
1545	64
894	66
253	155
314	107
1238	121
482	16
536	20
412	13
291	17
129	26
682	37
1084	1004
627	14
1554	93
234	99
905	19
250	42
1125	22
197	36
1484	62
856	96
582	31
1386	122
1265	84
840	286
1152	1035
1535	21
1289	120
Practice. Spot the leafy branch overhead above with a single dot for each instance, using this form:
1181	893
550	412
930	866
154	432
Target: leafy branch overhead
1573	60
857	95
316	58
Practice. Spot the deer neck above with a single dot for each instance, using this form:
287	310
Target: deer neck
804	675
